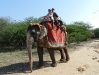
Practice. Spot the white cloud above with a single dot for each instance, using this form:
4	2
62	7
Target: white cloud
94	20
95	23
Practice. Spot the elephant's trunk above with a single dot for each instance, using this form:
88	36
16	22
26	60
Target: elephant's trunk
29	41
30	59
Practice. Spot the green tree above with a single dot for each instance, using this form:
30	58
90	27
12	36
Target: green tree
96	32
78	31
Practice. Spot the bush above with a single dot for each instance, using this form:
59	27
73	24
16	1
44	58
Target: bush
14	33
96	32
78	31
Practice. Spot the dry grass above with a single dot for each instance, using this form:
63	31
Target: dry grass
16	61
8	58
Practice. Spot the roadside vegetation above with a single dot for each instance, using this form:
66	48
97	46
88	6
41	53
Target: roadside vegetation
13	33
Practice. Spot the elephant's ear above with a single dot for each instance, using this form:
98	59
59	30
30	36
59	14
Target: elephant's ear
40	26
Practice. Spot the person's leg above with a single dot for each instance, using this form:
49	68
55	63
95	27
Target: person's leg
66	40
52	23
66	37
52	19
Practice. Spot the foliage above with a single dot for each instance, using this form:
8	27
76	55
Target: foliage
13	33
78	31
96	32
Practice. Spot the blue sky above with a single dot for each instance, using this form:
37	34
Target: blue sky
68	10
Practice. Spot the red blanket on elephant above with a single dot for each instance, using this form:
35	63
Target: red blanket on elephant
56	37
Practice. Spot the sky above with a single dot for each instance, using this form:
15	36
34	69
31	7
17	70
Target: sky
69	10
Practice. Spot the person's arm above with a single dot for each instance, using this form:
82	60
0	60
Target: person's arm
55	14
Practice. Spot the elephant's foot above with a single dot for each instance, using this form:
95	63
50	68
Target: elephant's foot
53	65
62	60
67	59
40	66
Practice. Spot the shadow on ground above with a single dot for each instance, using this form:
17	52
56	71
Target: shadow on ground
20	67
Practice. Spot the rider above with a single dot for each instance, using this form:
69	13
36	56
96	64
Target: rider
56	17
54	14
50	15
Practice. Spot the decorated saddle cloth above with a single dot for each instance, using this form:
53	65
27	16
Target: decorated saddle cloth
55	36
45	18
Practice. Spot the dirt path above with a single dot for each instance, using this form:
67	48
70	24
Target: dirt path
83	61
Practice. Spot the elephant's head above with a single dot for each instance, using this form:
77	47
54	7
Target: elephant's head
37	32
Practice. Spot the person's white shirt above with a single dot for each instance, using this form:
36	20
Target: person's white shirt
50	15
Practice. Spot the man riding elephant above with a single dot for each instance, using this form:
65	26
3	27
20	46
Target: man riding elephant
54	14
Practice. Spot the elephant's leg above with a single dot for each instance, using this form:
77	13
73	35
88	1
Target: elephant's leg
29	41
66	54
51	52
40	55
62	55
30	58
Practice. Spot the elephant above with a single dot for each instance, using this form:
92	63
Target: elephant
37	33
